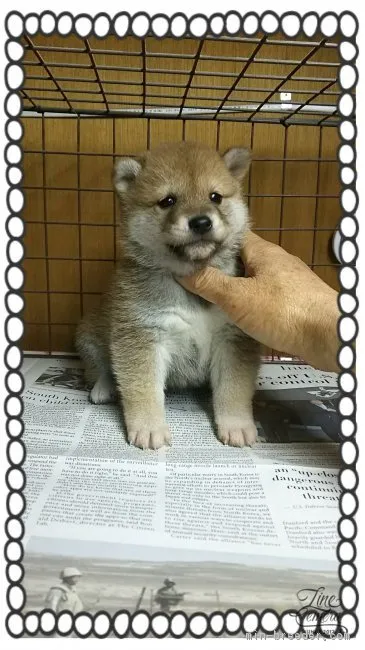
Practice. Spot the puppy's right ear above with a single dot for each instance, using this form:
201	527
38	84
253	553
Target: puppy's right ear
125	171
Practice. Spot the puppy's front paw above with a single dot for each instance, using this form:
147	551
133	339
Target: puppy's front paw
147	436
237	433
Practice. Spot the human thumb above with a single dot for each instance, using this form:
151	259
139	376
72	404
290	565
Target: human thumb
211	284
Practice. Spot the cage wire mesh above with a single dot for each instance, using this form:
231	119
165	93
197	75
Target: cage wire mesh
276	95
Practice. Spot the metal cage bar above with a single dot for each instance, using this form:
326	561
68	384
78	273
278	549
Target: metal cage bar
95	68
143	64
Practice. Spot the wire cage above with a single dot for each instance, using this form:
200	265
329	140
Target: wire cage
86	101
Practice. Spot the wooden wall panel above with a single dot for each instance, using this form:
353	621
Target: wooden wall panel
64	275
71	213
235	134
267	179
165	131
131	136
60	137
300	178
205	131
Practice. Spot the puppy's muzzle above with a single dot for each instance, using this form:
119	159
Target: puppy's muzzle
200	225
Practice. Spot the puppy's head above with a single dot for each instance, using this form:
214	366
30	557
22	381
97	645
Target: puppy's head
182	205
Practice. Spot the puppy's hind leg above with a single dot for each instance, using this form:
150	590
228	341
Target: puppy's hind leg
234	366
104	390
91	348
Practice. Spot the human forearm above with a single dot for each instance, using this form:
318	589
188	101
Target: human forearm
321	342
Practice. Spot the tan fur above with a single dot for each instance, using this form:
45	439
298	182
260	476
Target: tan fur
149	332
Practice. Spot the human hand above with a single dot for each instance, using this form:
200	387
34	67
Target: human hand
282	303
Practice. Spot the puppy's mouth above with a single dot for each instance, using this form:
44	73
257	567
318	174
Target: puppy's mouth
194	251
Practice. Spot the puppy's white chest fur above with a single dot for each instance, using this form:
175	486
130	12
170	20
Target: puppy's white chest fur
186	337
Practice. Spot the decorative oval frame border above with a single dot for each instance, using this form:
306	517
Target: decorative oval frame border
16	622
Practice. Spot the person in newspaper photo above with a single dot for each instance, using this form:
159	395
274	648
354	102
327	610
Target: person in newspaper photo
167	596
281	303
64	596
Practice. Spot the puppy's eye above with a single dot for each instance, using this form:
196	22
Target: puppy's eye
167	202
215	197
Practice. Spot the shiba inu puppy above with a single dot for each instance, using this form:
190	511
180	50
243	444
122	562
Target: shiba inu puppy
181	208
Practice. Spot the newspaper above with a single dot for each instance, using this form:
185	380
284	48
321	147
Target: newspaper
90	494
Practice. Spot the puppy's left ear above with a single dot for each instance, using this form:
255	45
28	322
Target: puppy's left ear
238	161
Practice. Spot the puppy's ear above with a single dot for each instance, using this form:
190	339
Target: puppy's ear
238	161
125	171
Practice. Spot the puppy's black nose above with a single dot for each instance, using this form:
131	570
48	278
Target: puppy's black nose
200	225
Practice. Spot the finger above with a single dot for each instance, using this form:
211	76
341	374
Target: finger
211	284
254	251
